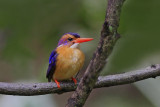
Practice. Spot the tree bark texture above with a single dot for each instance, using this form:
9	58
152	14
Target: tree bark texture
31	89
108	38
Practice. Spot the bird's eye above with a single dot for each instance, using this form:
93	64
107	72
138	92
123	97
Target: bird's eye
70	39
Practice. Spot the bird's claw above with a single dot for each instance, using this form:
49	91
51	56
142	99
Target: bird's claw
74	80
58	84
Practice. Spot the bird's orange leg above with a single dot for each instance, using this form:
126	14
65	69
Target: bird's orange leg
58	84
74	80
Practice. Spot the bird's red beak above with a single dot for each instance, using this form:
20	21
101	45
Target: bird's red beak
80	40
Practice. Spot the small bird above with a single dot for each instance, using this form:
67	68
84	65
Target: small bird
67	59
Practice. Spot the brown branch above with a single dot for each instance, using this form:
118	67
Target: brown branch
108	39
30	89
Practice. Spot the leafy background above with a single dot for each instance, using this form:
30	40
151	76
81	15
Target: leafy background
30	30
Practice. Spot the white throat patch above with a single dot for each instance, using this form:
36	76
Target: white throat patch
75	45
60	46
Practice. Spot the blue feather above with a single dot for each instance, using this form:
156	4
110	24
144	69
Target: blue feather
52	65
74	34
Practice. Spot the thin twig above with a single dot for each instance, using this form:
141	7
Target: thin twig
30	89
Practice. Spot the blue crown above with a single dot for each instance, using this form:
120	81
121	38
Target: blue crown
74	34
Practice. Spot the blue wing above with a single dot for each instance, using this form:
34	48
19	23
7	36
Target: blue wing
52	65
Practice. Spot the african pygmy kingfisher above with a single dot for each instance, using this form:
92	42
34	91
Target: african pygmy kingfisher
67	59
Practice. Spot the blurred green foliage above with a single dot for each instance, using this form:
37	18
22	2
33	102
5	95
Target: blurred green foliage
30	30
139	28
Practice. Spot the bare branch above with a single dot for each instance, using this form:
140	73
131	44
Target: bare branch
109	36
30	89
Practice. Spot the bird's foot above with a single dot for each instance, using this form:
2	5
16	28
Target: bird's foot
58	84
74	80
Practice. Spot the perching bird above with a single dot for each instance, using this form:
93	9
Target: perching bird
67	59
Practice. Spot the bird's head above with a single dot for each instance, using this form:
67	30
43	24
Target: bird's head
72	40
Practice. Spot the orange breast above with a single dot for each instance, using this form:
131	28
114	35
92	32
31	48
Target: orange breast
69	62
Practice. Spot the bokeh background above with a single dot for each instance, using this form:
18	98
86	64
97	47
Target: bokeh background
30	30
